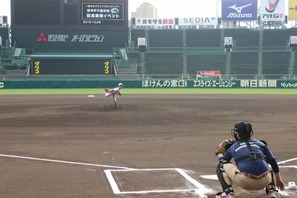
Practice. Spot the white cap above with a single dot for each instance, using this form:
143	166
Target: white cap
120	84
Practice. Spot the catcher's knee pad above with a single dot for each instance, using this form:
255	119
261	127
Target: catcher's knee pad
220	166
220	175
272	185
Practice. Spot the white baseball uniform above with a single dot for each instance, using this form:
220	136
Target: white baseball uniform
113	92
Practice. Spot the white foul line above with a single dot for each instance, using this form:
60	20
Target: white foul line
289	160
120	168
63	162
112	182
202	190
288	167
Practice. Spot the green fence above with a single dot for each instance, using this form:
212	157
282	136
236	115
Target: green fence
146	83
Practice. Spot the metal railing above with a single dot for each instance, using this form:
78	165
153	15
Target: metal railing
213	49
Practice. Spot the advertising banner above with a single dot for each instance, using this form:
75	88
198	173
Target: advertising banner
103	13
207	21
198	21
154	21
209	73
244	10
272	10
148	83
292	10
68	41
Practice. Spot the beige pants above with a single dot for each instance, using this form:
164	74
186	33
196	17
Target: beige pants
233	175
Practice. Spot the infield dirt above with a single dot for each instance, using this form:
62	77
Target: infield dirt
145	132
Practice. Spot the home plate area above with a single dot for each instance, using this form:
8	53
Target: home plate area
143	181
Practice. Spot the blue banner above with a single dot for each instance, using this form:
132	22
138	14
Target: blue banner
243	10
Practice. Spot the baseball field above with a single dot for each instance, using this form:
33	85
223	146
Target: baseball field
158	143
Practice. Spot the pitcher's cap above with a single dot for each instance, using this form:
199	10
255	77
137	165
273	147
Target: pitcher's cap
120	84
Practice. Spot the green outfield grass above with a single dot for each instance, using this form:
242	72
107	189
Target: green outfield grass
149	91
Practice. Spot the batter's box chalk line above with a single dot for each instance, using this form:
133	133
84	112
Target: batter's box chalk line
198	188
115	175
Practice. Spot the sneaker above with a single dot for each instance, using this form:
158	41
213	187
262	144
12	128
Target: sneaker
224	195
272	194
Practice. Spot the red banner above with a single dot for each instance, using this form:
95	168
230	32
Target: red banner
209	73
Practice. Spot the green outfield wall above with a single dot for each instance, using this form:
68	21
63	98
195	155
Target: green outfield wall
147	83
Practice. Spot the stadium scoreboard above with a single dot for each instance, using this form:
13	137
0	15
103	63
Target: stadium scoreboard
70	13
50	30
66	26
69	25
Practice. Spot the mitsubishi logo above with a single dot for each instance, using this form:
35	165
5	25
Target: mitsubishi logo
239	9
41	38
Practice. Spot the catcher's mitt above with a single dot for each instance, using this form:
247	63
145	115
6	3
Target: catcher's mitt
223	146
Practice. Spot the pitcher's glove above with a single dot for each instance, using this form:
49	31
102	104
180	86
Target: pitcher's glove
224	146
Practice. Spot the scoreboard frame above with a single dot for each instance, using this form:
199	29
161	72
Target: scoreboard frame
70	14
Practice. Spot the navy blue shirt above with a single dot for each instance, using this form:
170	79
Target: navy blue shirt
239	150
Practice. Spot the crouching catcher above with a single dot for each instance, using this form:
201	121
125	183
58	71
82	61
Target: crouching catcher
251	169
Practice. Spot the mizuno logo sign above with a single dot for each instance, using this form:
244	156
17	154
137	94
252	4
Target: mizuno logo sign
239	12
235	15
238	9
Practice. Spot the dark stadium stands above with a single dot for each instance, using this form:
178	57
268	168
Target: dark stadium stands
244	63
204	38
167	38
136	57
163	63
243	37
255	52
276	62
206	62
276	37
